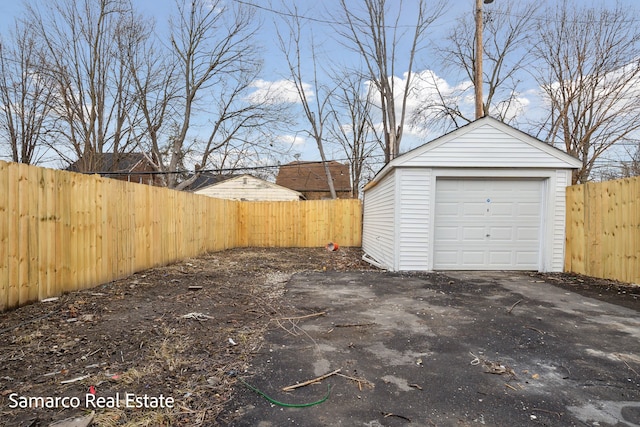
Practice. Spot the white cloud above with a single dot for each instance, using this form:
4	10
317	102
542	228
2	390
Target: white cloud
292	140
513	109
277	92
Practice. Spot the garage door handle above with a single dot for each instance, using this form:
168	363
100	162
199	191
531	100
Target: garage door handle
488	235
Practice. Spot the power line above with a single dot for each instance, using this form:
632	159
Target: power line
216	171
287	14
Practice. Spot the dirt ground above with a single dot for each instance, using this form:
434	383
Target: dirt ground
177	331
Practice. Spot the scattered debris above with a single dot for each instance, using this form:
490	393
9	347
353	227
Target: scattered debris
50	299
513	306
197	316
416	386
232	342
546	411
360	381
534	329
492	367
243	289
194	288
498	368
619	356
332	247
389	414
311	381
322	313
73	380
354	325
87	318
84	421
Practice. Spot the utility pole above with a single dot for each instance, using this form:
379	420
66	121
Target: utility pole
477	75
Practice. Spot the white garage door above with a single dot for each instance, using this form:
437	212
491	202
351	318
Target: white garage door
487	224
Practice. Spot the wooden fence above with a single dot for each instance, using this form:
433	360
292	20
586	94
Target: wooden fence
603	230
62	231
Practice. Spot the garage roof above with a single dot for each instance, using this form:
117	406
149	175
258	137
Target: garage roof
484	143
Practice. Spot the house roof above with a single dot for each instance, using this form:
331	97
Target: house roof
483	143
310	176
206	179
255	183
110	162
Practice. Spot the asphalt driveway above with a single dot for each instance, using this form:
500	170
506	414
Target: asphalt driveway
454	349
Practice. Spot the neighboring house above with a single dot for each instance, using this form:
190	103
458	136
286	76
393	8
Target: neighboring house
125	167
310	179
249	188
205	179
483	197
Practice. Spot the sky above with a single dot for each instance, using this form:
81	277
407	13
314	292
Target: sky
316	12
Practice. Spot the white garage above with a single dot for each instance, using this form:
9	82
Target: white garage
484	197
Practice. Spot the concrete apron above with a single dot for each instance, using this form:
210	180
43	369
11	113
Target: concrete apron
461	348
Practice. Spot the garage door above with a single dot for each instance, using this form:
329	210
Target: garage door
487	224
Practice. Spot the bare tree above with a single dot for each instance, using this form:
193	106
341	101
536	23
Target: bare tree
589	74
378	41
313	99
353	126
632	166
25	95
508	27
91	97
215	52
154	85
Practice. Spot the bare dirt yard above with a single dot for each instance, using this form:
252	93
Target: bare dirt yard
170	339
174	331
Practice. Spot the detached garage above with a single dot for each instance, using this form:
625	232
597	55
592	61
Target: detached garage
484	197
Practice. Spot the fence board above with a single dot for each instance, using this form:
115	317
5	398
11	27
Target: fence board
34	235
61	231
4	235
49	221
13	298
603	228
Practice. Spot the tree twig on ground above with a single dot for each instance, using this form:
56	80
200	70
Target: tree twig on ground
513	306
311	381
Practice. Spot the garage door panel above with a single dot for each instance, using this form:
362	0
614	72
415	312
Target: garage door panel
501	210
473	209
527	233
473	234
449	258
487	224
527	257
501	258
500	233
470	185
447	208
528	209
444	234
473	257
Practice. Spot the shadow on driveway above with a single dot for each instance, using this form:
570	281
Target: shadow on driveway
454	349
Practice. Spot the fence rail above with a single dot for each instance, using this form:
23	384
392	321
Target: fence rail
603	230
62	231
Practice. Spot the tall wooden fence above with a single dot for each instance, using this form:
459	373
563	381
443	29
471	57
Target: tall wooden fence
62	231
603	230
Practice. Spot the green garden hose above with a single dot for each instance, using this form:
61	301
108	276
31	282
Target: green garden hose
286	405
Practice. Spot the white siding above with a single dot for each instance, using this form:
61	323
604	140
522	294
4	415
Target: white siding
562	180
378	231
485	146
249	188
413	223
